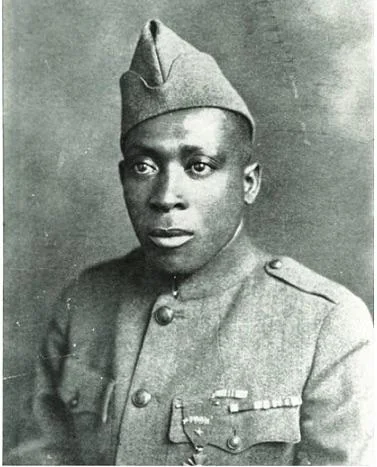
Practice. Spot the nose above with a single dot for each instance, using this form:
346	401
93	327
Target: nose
168	192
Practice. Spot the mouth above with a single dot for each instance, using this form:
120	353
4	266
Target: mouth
170	238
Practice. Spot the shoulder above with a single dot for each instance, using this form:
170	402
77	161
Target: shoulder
95	294
332	302
107	277
296	275
113	269
117	267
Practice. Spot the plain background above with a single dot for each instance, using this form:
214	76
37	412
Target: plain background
304	69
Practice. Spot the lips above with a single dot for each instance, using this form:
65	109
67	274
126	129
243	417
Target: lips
170	238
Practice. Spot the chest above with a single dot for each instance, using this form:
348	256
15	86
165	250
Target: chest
218	372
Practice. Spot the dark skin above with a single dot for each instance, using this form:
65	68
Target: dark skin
187	177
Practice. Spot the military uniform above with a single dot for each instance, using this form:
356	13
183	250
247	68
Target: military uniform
252	360
249	360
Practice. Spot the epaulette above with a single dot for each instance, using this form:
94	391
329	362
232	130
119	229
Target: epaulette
302	278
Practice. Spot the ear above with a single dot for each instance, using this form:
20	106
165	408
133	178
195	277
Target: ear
121	171
252	177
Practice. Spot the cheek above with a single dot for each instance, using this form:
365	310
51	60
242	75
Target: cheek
135	197
221	199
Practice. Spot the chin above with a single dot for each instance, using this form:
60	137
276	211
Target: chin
174	262
174	267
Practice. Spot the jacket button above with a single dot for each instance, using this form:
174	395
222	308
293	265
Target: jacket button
234	443
74	402
164	315
141	398
275	264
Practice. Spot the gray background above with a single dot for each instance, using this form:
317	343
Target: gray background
303	67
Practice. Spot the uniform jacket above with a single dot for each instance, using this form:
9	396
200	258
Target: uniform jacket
254	360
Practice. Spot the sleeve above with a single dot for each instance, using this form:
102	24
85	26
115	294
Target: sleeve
53	439
337	415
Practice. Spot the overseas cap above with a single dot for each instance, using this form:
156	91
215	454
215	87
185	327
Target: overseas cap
167	74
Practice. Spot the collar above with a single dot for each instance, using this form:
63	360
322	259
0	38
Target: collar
230	266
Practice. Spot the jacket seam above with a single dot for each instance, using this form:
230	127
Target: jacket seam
324	320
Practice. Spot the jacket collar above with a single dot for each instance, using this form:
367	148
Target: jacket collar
230	266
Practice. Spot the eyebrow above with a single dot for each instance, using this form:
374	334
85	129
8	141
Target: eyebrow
188	150
137	147
185	150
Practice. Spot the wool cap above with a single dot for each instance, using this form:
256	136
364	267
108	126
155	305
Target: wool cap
168	74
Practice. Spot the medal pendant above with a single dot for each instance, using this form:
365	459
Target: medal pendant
198	458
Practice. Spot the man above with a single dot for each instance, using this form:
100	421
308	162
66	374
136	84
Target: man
197	348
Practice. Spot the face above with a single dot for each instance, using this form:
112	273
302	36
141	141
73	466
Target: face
185	185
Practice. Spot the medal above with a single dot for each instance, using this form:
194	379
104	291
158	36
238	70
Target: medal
197	424
198	458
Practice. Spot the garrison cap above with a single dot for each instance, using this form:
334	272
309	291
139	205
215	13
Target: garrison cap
168	74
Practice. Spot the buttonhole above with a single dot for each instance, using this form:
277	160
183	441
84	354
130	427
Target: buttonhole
180	314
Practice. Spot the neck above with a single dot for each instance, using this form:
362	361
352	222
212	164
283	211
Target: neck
234	260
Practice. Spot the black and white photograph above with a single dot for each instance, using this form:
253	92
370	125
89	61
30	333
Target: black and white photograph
188	232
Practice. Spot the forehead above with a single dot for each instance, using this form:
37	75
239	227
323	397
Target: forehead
205	127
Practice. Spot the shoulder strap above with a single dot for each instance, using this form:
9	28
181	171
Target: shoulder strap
302	278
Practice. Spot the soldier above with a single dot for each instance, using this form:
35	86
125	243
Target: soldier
198	348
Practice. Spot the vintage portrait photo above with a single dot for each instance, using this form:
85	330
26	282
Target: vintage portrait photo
188	232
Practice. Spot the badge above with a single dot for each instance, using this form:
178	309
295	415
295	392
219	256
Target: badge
197	425
197	422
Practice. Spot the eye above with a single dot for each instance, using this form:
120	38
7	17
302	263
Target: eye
200	169
143	168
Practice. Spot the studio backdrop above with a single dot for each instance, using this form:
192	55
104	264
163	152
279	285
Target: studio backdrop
302	66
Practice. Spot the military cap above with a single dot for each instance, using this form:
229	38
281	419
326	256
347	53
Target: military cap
168	74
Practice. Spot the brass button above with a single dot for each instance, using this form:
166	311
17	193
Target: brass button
234	443
164	315
74	402
141	398
275	264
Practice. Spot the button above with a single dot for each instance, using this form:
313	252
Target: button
275	264
234	443
164	315
74	402
141	398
